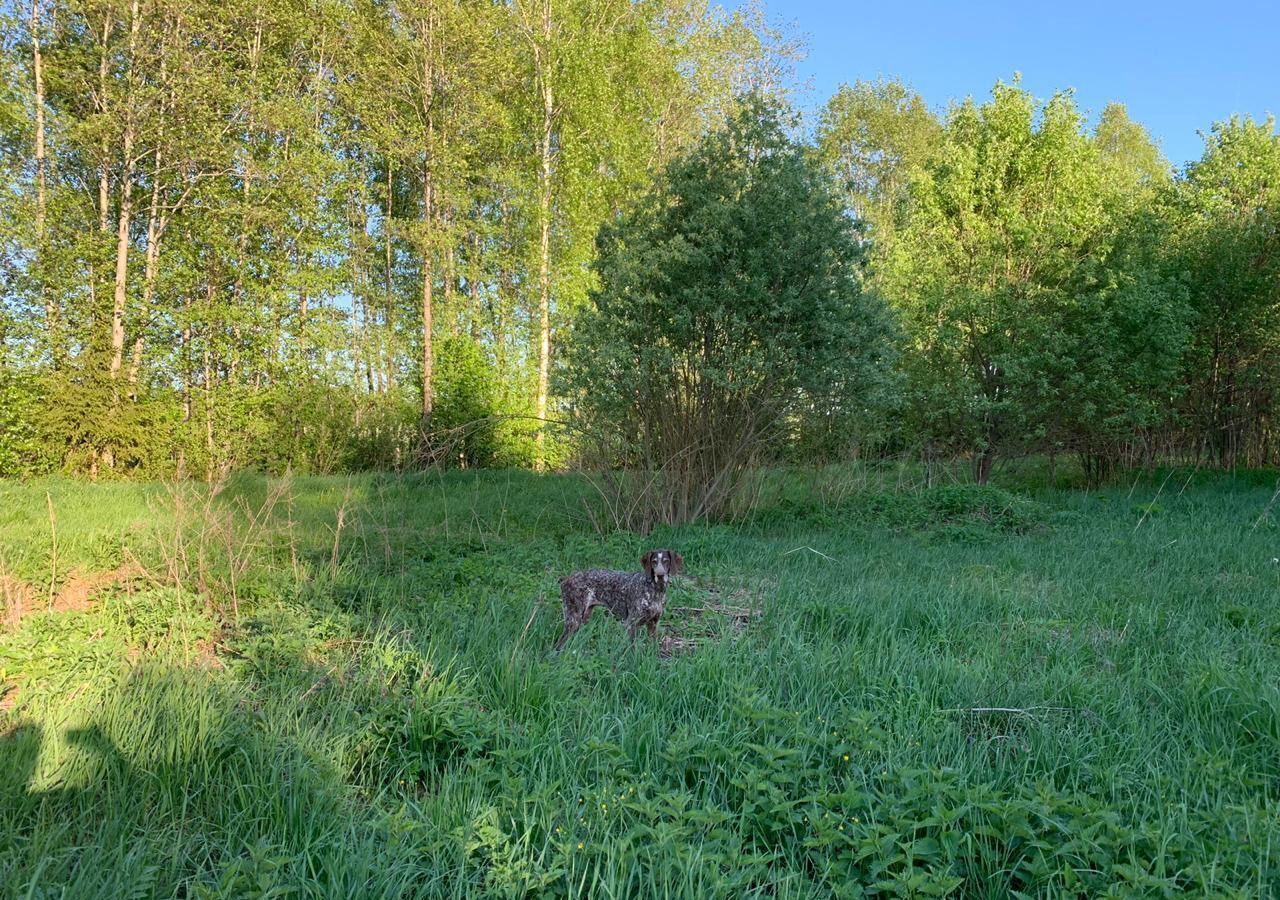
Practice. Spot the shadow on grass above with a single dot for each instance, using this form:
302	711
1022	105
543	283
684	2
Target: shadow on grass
174	783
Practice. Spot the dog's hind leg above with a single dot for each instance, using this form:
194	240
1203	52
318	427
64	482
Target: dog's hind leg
574	619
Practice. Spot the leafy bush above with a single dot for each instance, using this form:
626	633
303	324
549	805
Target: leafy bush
1029	276
419	721
317	428
463	420
85	426
730	314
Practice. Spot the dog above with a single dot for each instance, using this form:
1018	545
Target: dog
636	599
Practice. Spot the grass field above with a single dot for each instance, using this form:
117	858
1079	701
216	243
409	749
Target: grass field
341	688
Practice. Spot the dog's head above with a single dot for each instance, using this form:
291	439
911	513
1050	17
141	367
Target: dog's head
659	565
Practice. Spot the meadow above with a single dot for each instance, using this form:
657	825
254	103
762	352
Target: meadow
341	687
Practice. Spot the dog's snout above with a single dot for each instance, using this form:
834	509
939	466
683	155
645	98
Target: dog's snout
661	565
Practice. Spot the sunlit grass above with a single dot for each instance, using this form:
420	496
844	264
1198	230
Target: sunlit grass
953	690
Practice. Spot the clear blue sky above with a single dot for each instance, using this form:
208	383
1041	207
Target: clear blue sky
1177	66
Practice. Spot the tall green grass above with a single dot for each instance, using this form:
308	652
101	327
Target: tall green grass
950	692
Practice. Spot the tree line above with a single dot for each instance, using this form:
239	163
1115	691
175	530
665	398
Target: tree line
339	234
1063	289
272	232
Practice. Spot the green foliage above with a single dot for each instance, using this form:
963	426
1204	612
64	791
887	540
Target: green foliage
1130	154
262	253
83	429
317	428
263	238
467	391
1027	279
731	300
1226	218
19	448
961	511
874	136
509	869
420	722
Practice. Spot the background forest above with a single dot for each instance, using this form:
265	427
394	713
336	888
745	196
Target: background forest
362	234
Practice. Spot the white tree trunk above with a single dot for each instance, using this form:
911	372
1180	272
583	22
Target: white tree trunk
542	56
52	323
126	211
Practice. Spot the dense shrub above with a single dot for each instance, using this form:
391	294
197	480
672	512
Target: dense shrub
730	314
61	423
84	426
463	420
317	428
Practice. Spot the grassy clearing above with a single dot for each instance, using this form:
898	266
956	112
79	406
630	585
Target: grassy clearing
953	691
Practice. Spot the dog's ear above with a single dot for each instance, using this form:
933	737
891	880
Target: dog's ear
646	563
677	563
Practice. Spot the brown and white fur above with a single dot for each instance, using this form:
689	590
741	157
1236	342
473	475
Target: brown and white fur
636	599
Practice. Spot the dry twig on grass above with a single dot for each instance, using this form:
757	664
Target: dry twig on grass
1010	710
811	550
1266	510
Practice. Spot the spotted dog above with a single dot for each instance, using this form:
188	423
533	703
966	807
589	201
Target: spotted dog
636	599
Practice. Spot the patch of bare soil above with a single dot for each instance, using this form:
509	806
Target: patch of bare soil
206	651
78	592
21	599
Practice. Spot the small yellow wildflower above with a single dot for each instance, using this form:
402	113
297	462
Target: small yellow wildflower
581	846
846	757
